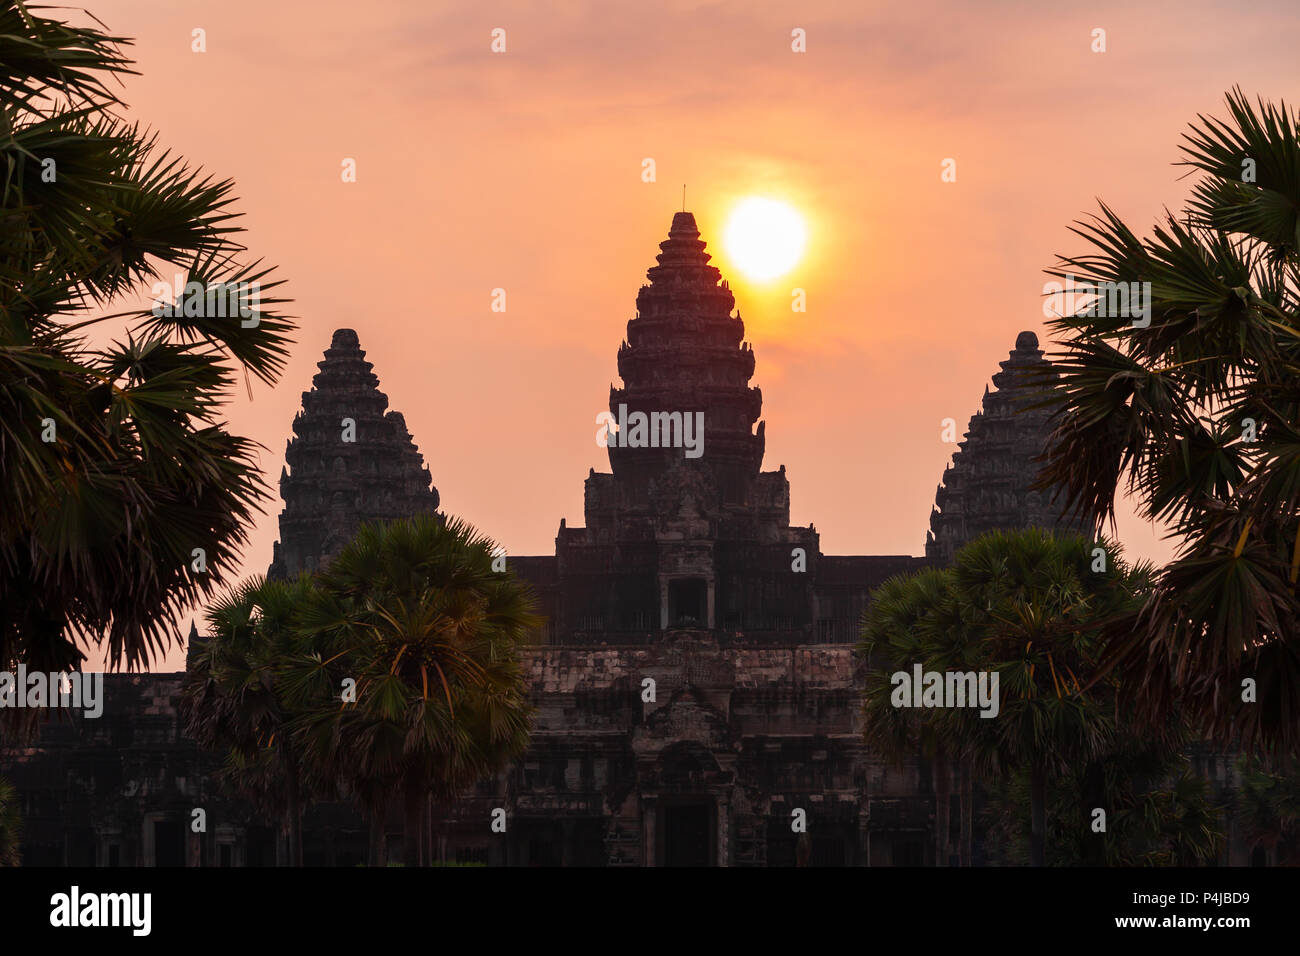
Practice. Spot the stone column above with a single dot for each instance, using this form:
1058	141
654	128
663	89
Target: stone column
109	837
663	603
566	842
712	622
147	841
724	815
649	810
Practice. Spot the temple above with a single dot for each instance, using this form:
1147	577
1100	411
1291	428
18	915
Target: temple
675	544
989	485
696	684
348	463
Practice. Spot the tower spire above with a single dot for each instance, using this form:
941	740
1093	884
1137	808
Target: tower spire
685	352
350	461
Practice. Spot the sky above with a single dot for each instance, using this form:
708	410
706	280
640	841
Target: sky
523	170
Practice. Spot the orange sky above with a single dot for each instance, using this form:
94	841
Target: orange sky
522	170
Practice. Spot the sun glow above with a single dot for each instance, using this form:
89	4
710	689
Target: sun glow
765	238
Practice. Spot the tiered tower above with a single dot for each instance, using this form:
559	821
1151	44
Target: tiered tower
678	540
685	351
988	486
349	462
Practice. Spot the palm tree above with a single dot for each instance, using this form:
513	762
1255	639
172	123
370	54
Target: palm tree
234	698
413	615
896	630
11	829
125	495
1034	609
1025	606
1195	416
1174	825
1158	813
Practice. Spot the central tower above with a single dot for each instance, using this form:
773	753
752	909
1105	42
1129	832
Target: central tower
685	535
685	352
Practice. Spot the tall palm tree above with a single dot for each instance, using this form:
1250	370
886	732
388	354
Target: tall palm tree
1192	408
1035	613
234	698
412	613
125	495
1021	593
896	629
1026	606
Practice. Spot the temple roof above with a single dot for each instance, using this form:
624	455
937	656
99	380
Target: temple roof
685	352
988	486
351	461
683	226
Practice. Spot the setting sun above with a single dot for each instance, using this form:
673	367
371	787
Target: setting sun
765	238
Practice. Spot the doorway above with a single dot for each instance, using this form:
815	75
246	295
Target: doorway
688	603
169	843
688	834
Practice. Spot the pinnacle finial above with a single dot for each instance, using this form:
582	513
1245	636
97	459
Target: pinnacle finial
683	226
345	339
1026	341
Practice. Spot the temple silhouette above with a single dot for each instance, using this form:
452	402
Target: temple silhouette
695	681
688	575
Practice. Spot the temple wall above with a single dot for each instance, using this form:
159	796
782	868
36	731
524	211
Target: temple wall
736	740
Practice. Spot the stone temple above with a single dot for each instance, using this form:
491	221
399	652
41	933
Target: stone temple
986	487
687	577
338	485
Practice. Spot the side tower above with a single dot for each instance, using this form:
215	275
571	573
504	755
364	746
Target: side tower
341	475
687	531
988	485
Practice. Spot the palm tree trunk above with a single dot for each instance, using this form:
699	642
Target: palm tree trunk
438	824
378	826
1038	814
414	799
942	806
293	795
964	808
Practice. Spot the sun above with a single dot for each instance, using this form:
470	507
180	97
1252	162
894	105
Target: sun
765	238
